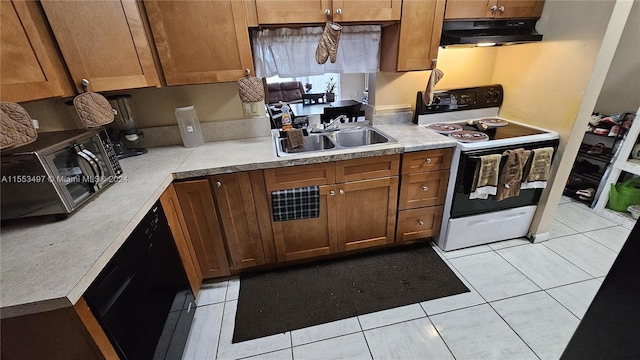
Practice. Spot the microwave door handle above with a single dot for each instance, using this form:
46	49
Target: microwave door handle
96	163
86	165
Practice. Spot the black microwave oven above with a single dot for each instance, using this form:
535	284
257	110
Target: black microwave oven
57	173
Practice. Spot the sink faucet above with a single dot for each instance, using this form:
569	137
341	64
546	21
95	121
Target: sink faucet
335	123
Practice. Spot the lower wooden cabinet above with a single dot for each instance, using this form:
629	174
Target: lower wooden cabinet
235	199
201	220
178	226
419	223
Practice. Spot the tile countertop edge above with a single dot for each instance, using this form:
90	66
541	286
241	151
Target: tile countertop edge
410	138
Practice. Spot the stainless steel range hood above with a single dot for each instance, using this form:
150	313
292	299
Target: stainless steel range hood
488	32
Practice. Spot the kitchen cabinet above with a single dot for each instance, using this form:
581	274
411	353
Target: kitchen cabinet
235	200
413	43
201	221
358	202
319	11
104	42
200	41
31	67
178	226
493	9
423	187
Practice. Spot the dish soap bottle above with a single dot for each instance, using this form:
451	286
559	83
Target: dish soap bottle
286	117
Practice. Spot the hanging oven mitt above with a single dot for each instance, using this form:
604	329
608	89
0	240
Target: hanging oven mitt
328	44
25	133
250	88
93	109
427	96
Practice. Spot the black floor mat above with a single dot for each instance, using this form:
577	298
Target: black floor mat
311	294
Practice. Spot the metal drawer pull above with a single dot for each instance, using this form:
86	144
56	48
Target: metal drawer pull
501	9
493	8
428	161
332	193
420	222
425	188
341	192
218	183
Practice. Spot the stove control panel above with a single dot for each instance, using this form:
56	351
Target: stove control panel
461	99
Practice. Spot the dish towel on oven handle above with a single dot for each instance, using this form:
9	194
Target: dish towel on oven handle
536	173
295	204
485	178
511	173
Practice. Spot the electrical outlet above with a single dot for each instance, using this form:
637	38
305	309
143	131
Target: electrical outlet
250	109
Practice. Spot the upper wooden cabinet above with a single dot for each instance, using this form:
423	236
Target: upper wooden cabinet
315	11
104	42
200	41
498	9
31	68
413	44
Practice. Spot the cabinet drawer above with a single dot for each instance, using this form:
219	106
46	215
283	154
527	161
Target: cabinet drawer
299	176
367	168
424	189
419	223
423	161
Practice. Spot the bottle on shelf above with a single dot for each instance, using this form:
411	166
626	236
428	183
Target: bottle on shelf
286	117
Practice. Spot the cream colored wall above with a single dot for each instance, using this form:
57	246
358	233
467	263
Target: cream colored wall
462	67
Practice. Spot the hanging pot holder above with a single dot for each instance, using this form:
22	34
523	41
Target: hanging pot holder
93	109
25	133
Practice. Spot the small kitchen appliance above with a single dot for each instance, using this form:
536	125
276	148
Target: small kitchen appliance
57	173
125	133
470	116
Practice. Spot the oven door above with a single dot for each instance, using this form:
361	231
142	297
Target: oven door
78	171
462	206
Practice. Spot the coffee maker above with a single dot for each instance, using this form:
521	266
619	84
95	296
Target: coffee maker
124	133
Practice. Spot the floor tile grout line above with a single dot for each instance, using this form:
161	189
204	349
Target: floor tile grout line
576	265
224	306
440	336
514	331
365	337
561	304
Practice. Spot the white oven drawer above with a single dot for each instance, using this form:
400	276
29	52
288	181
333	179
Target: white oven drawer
487	228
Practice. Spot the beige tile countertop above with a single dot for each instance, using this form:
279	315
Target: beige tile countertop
46	264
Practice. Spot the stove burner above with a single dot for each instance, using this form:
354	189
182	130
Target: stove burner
493	122
466	136
445	128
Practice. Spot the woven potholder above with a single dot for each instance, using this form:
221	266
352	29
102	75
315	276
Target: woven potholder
93	109
250	89
8	133
25	132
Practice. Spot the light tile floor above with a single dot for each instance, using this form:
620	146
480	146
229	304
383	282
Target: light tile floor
525	302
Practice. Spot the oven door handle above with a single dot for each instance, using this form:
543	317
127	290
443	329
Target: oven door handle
496	220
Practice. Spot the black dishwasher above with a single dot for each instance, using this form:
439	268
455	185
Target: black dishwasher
142	298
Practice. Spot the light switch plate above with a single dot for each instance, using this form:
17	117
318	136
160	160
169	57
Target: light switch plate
250	109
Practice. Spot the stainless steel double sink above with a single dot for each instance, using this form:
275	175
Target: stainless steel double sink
350	137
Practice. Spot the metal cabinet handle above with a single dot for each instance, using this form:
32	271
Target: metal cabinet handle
85	84
327	12
425	188
428	161
494	8
338	11
501	9
332	193
341	192
218	183
420	222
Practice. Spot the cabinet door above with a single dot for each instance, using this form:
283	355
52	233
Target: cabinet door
292	11
366	10
201	220
520	9
366	213
470	9
423	189
307	238
200	41
175	218
103	42
31	69
421	24
239	220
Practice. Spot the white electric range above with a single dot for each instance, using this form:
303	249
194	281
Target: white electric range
470	115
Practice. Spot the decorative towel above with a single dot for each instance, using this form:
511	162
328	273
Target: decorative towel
295	138
93	109
436	75
295	204
485	179
537	173
25	133
511	173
